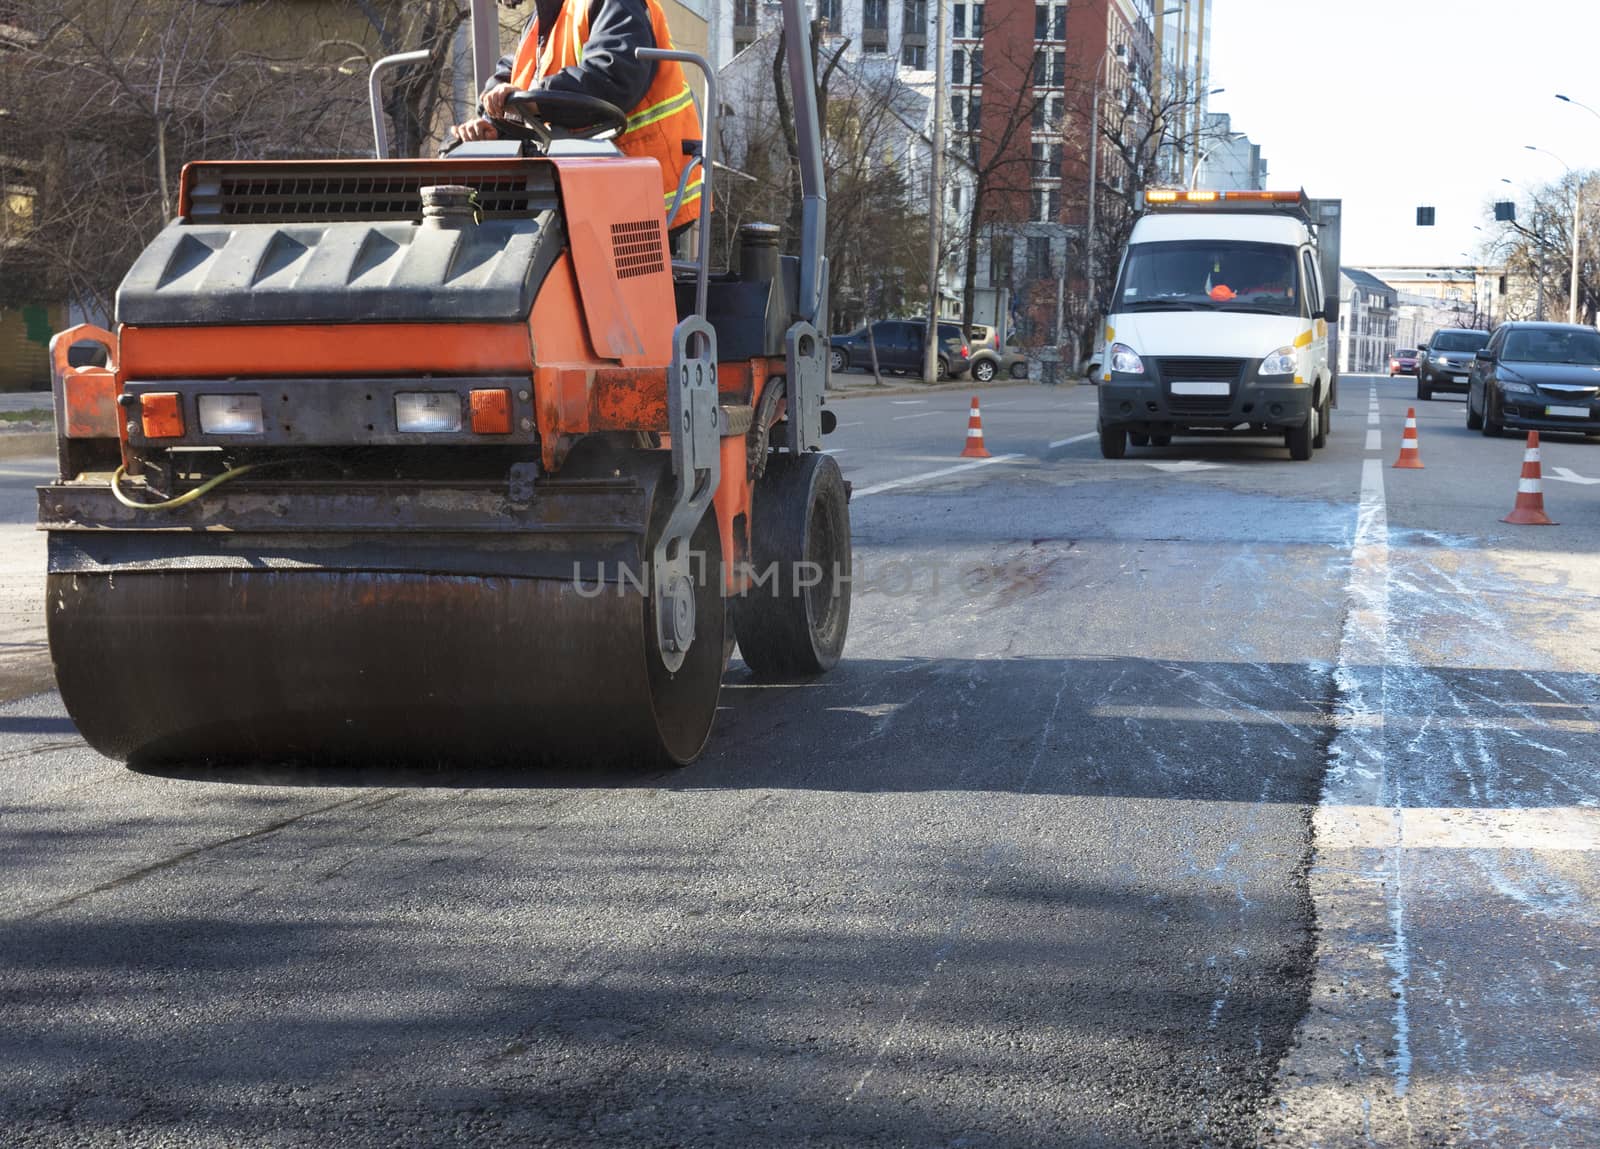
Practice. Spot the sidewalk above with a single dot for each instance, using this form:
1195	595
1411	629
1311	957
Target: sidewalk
25	401
853	385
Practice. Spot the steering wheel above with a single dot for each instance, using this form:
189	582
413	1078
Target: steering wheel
605	119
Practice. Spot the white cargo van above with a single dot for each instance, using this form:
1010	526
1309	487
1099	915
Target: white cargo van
1219	321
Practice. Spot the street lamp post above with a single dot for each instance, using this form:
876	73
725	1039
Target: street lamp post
1194	177
1578	200
1577	224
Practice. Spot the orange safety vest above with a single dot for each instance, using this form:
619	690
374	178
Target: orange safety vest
657	126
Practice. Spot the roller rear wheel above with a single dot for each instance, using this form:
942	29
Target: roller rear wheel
791	621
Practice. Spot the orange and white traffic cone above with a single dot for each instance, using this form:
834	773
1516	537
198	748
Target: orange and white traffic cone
1410	458
1529	511
975	448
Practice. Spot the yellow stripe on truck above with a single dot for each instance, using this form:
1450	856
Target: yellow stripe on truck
1303	339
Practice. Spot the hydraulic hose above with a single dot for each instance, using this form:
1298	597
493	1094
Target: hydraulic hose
184	499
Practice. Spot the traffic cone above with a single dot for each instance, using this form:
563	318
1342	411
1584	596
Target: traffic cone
1529	511
1409	458
975	448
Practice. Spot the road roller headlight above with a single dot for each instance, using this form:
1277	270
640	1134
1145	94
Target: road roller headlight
231	415
1283	361
1125	360
427	411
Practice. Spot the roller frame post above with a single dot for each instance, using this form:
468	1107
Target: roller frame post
807	364
694	421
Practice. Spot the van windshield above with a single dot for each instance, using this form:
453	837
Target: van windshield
1210	275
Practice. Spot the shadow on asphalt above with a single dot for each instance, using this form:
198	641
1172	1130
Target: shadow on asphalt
1052	726
1125	727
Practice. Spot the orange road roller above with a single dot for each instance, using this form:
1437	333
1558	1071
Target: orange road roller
446	459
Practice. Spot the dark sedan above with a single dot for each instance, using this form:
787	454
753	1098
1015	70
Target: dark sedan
1537	376
1446	360
900	346
1403	362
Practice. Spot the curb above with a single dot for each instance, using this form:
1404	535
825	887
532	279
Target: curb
871	390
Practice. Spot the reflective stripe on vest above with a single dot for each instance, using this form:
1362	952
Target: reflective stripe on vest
691	191
661	111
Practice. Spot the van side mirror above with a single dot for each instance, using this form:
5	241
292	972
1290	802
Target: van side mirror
1484	355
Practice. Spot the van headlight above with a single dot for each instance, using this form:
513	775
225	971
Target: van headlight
1283	361
1125	360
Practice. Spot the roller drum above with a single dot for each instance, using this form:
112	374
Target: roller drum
177	660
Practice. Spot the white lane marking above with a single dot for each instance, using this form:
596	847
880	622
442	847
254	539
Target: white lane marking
834	450
1358	775
926	476
907	402
1372	417
1574	828
1366	643
1565	475
1374	440
1074	439
1186	465
923	415
853	423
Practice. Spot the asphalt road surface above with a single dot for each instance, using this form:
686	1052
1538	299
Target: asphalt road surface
1197	798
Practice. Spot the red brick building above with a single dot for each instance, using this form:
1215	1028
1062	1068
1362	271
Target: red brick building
1024	76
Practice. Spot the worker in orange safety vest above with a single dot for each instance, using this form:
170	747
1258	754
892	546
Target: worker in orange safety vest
588	47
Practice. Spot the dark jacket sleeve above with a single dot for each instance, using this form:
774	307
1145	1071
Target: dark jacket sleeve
609	69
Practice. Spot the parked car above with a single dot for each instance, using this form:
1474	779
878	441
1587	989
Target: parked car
1403	362
1539	377
900	348
1446	360
989	360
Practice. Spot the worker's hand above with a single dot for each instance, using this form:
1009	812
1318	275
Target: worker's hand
481	128
494	100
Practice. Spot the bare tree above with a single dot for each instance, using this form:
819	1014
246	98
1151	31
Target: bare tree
107	102
1538	247
871	130
996	138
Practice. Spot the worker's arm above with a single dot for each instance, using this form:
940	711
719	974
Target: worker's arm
609	69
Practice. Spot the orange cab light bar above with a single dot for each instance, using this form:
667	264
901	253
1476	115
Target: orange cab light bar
1169	195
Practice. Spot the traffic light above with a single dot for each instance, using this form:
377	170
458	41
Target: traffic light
1424	217
1505	211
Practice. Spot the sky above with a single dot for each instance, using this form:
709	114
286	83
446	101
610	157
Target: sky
1392	104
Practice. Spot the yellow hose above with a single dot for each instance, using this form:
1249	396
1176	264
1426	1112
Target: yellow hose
180	500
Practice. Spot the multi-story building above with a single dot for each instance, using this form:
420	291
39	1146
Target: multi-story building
1367	322
1229	160
1443	295
893	29
1037	85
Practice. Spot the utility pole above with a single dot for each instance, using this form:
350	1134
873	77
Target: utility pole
930	362
1538	312
1577	226
1199	82
1183	98
1155	80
